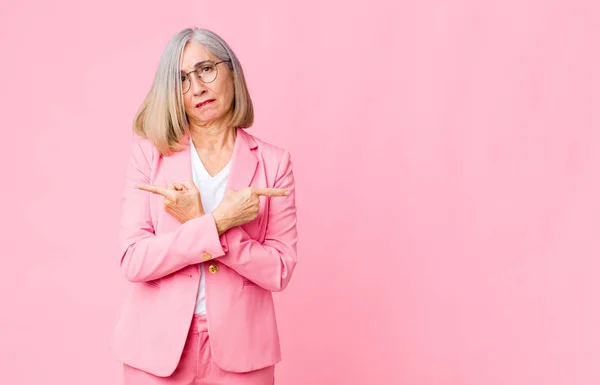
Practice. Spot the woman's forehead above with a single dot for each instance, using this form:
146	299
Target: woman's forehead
193	53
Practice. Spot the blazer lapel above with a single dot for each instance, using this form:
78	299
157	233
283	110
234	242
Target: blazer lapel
178	165
243	161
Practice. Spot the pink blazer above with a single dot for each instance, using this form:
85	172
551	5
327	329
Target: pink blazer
161	257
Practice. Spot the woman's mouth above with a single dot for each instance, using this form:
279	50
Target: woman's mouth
204	103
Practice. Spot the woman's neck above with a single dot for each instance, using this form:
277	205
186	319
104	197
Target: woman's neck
213	139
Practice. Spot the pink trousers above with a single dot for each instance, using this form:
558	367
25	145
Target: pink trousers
196	366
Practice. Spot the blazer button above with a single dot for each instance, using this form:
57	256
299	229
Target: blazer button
213	268
206	256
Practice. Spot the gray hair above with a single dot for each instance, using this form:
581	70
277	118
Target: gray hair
161	117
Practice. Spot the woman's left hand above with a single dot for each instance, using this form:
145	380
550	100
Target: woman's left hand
182	200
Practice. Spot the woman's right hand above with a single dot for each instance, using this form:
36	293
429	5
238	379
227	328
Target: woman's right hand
239	207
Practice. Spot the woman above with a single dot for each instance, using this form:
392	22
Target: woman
208	227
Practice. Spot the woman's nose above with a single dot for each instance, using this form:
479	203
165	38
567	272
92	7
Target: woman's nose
196	84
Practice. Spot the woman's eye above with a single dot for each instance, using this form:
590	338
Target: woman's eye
206	69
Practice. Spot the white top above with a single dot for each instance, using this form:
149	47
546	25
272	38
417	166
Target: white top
212	189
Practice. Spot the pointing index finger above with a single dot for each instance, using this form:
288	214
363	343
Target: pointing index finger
155	190
270	192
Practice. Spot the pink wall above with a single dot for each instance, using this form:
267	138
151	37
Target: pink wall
446	155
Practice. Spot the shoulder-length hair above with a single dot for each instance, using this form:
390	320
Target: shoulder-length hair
161	118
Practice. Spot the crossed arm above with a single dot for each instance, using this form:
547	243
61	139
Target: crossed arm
146	255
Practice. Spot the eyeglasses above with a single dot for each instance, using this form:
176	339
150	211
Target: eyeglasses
206	71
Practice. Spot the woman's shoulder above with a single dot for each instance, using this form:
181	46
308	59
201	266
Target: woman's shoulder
269	150
142	146
142	141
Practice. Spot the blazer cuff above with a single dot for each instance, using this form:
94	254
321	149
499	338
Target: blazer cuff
226	237
211	246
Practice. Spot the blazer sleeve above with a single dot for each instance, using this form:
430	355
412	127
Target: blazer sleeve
146	256
269	264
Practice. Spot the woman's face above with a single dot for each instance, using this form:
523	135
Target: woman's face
206	103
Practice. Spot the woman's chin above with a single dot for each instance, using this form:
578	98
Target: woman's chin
205	120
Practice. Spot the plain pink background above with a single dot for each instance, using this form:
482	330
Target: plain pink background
446	155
